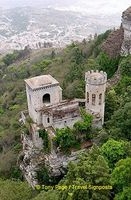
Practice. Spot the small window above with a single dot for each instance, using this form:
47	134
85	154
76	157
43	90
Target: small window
30	98
48	120
100	99
93	99
65	122
46	98
87	97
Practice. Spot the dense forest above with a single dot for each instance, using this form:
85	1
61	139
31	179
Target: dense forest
108	161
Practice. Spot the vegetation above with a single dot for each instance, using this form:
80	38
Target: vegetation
113	151
121	178
106	164
65	139
107	64
91	170
84	127
46	140
15	56
14	190
68	138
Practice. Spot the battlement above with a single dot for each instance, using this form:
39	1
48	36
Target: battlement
95	77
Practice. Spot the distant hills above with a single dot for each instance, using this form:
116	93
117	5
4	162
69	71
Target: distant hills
45	27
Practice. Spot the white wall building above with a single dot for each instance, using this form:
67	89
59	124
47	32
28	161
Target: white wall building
46	107
45	104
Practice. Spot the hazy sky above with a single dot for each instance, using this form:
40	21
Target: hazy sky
89	6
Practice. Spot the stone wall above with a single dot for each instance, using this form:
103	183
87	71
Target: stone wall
95	93
66	122
35	100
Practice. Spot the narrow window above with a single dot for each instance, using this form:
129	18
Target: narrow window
30	98
87	97
48	120
93	99
100	99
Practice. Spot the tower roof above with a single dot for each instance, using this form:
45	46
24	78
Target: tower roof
41	81
96	77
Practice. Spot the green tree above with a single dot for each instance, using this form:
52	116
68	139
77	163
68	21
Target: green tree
112	102
15	190
65	138
83	128
46	140
91	169
123	88
49	195
125	66
121	175
53	54
77	56
120	123
43	175
108	64
10	58
113	151
124	195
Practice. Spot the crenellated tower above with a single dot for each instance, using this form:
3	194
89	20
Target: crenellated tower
95	95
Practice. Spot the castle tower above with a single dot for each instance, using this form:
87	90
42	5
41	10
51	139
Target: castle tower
126	24
41	91
95	95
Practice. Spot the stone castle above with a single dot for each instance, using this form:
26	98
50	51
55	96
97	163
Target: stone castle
46	107
49	111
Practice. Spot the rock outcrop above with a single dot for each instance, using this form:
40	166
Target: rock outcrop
112	46
32	158
126	24
119	41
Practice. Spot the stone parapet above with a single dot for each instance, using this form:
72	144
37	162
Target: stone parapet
95	77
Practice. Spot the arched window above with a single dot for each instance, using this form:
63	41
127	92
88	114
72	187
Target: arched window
48	120
46	98
93	99
87	97
100	99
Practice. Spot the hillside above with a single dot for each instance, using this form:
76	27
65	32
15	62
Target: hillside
112	46
68	66
27	26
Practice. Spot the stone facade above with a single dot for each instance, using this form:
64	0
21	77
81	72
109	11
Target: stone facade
41	91
126	24
46	107
45	104
95	95
66	113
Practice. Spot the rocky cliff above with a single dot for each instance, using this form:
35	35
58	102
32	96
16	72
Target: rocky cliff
119	41
32	158
126	24
112	46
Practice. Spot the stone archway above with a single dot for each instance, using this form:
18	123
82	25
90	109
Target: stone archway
46	98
